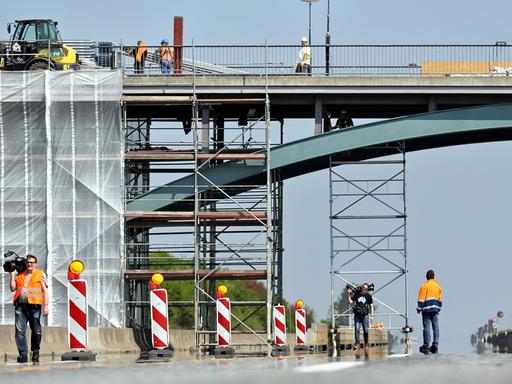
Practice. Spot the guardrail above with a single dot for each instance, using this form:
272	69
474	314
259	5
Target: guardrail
332	60
343	60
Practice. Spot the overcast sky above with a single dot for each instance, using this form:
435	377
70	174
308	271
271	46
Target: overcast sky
458	198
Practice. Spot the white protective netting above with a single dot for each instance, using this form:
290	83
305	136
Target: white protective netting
61	184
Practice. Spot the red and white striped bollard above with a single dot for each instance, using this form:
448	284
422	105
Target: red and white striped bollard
279	325
223	305
280	348
159	309
300	329
300	326
159	318
78	333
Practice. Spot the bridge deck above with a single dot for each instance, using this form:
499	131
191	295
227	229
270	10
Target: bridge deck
294	96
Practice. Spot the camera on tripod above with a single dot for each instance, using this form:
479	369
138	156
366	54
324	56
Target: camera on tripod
13	262
359	288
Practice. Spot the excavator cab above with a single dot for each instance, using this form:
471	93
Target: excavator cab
36	44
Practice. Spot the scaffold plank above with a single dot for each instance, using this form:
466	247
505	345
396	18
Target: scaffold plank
178	215
180	156
189	274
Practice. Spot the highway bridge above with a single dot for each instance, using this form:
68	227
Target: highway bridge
420	112
211	135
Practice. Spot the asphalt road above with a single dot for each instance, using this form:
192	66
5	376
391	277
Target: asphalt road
418	369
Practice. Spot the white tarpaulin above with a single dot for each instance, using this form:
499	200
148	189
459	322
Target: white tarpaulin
61	184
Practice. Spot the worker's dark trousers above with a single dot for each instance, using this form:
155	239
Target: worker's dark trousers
30	313
361	320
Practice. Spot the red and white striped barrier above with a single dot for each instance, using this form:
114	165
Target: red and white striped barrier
223	321
78	336
279	325
159	318
300	326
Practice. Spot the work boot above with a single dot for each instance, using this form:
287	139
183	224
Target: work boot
434	348
424	349
35	357
366	351
22	359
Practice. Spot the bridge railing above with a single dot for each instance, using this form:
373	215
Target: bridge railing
344	60
281	60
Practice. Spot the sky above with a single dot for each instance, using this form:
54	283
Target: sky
458	198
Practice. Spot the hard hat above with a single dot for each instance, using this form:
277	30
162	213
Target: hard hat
304	39
165	41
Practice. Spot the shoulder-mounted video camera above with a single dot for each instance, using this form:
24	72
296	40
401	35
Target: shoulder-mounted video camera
359	288
13	262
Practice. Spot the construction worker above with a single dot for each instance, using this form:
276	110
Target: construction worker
304	64
166	56
139	57
362	302
30	297
429	304
344	120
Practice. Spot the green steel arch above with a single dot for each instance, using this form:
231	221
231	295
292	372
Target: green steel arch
418	132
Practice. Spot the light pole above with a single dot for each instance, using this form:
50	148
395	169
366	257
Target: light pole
328	40
310	2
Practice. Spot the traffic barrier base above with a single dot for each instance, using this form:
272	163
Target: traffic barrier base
156	355
78	356
224	351
301	349
280	350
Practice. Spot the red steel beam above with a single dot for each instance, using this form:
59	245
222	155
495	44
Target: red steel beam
187	223
189	274
178	215
169	156
178	43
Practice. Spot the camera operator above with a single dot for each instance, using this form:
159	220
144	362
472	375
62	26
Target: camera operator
362	303
30	297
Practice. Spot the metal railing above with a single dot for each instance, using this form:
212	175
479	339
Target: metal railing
281	60
345	60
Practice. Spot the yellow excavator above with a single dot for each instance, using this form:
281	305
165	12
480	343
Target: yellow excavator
35	44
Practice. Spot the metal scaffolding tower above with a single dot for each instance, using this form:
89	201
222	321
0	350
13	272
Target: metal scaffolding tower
368	234
137	176
213	232
234	225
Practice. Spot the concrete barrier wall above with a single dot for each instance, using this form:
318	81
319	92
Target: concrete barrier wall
120	341
104	341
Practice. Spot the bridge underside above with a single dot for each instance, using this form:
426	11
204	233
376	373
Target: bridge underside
419	132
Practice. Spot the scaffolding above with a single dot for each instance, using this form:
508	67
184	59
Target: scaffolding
368	234
60	184
212	231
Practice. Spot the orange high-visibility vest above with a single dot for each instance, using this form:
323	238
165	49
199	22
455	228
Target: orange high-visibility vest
34	287
140	52
167	53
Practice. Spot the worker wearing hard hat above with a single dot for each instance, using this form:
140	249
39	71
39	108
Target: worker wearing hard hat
166	56
304	64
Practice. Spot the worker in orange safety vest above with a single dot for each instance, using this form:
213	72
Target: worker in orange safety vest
139	54
30	301
430	301
166	56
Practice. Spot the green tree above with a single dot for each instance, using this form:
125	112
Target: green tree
341	306
180	317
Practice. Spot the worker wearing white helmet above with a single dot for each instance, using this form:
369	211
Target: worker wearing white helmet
304	64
